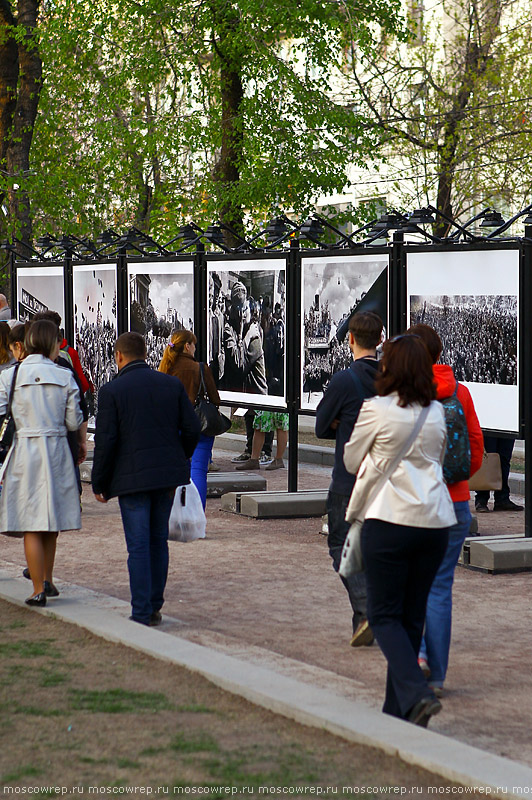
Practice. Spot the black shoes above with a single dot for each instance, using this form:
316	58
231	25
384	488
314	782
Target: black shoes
156	619
424	710
482	508
50	590
507	505
37	600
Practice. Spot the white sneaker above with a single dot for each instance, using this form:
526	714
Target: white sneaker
264	459
245	456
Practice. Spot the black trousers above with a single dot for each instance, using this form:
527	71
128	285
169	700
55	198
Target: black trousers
400	563
249	416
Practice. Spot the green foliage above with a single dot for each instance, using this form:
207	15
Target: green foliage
117	701
134	123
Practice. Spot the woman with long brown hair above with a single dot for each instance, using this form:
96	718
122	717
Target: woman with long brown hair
178	360
404	536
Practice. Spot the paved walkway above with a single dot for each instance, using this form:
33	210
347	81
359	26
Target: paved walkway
263	592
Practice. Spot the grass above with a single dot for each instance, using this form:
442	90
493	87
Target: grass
30	649
117	701
24	771
200	742
52	678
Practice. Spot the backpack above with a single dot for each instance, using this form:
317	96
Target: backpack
457	461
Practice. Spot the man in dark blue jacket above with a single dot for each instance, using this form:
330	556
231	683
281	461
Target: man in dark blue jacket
335	419
146	430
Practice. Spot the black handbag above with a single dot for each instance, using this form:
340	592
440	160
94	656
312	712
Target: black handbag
212	421
7	423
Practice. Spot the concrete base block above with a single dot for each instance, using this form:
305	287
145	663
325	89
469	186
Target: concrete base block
269	505
498	554
220	483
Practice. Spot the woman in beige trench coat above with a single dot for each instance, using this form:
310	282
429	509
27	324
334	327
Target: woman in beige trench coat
39	489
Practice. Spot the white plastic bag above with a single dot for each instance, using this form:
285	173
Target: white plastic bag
187	517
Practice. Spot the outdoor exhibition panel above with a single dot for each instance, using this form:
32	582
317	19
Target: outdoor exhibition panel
246	328
472	298
333	287
160	300
39	288
94	287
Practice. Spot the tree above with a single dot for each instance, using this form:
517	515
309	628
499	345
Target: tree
451	105
20	85
215	110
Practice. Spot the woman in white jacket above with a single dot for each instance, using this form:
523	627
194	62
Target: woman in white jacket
404	537
39	489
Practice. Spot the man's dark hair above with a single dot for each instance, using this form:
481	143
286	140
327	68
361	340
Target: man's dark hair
53	316
430	337
132	345
366	327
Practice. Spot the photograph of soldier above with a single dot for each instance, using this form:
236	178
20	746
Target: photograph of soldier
246	335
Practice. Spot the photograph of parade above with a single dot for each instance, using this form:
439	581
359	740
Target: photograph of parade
246	330
95	328
39	289
161	300
478	332
332	290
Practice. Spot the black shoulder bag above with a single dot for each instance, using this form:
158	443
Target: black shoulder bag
7	427
212	421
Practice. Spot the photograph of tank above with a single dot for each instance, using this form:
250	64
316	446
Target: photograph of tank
161	300
246	330
472	300
39	289
333	288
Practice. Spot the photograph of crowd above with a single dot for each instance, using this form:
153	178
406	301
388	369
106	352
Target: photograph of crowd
95	329
39	289
478	332
161	300
246	330
333	289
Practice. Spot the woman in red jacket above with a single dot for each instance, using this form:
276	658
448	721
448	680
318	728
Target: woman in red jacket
434	651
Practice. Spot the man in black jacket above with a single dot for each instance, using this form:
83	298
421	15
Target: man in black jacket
146	430
335	418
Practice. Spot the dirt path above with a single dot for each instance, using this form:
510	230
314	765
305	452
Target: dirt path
265	590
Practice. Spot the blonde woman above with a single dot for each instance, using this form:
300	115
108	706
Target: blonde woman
178	360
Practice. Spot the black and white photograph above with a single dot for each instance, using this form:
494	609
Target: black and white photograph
161	300
472	300
478	333
95	326
246	330
39	289
333	288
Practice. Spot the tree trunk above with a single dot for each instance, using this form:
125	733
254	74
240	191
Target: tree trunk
8	77
29	88
227	169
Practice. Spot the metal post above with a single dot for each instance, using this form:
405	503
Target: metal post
397	289
122	299
68	322
293	367
201	301
526	374
13	285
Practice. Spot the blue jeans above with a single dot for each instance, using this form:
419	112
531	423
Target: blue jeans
199	465
338	529
145	518
401	562
437	639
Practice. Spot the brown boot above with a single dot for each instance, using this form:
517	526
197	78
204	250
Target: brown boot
277	463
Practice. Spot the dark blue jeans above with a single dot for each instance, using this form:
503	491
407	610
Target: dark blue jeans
199	465
400	563
338	528
145	518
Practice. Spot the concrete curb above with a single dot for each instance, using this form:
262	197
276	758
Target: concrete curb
353	721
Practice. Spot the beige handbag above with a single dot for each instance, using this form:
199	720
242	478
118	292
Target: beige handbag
489	476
